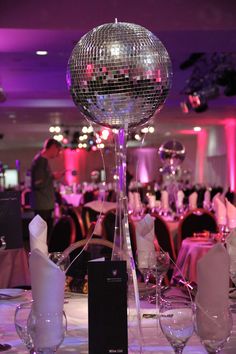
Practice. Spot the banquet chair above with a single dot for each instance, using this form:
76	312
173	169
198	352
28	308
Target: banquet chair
85	250
163	236
88	216
75	214
196	220
63	234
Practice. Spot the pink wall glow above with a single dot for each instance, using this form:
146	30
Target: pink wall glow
71	164
230	132
202	137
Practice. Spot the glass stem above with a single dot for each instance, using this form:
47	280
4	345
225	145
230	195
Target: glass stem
159	279
178	350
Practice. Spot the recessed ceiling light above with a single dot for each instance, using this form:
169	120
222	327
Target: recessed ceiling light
197	129
41	52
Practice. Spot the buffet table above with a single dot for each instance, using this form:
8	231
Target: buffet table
76	340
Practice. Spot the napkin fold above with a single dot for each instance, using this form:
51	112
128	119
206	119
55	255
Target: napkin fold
192	201
101	206
180	199
207	199
48	282
151	201
220	210
38	234
145	236
231	214
165	200
212	297
231	249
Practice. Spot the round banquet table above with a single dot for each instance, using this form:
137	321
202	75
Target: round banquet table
192	249
76	340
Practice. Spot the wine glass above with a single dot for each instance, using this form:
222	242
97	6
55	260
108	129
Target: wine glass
47	330
159	263
144	260
213	328
177	322
21	321
60	259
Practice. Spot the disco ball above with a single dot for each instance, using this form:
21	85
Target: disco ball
119	74
172	154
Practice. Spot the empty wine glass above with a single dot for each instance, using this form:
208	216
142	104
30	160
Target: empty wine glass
21	322
145	265
177	322
159	263
60	259
213	328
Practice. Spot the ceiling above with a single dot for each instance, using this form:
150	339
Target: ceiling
35	86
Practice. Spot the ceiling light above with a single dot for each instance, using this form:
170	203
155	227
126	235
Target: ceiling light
151	129
41	52
197	129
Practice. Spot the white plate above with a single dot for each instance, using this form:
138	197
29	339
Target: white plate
12	293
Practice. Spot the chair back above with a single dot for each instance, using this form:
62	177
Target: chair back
197	220
108	229
75	214
88	216
163	236
63	234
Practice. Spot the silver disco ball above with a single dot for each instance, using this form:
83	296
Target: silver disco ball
172	154
119	74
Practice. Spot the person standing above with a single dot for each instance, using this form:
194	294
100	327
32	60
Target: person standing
42	189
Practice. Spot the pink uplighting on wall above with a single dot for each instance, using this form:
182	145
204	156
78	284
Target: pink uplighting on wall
71	164
201	154
230	133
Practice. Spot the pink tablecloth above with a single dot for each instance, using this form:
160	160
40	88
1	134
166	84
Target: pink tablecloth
14	268
192	249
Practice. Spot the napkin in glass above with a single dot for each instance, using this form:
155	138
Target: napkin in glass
192	201
145	237
180	199
38	234
207	199
220	210
231	215
48	282
164	200
212	299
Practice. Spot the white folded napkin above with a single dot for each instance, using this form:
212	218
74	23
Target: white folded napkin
207	199
145	236
151	201
48	283
212	297
220	210
137	202
231	248
165	200
131	200
231	214
180	199
38	234
192	201
101	206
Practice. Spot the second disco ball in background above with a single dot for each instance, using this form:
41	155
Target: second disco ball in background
119	74
172	154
